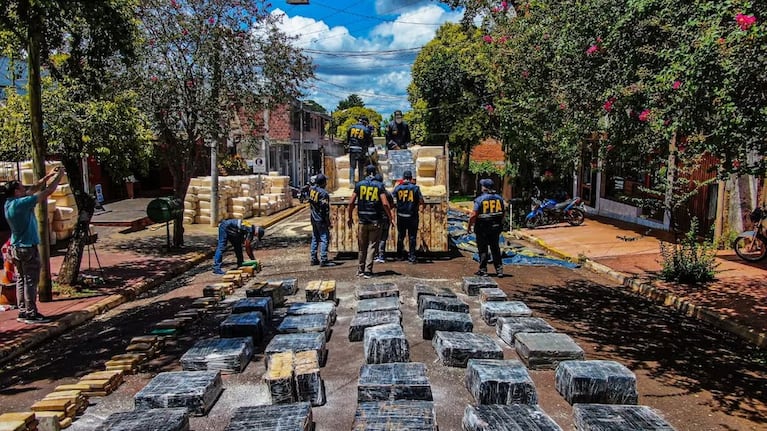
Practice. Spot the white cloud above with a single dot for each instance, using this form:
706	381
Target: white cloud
381	80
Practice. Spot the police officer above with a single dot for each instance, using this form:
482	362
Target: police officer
488	216
359	139
397	133
370	211
381	255
409	197
319	202
235	231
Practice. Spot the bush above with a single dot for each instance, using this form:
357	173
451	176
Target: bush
689	262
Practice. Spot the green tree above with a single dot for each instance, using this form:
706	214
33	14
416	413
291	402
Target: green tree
344	119
353	100
449	89
91	32
200	59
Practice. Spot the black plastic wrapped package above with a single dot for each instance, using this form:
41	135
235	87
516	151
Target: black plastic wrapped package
300	342
361	321
261	304
596	382
196	391
300	308
218	354
491	311
305	323
540	351
456	348
508	327
244	325
487	294
614	417
395	381
376	290
395	415
147	420
378	304
493	381
386	343
471	285
421	289
285	417
515	417
441	320
428	302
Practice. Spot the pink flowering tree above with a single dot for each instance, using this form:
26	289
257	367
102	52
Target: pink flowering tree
202	60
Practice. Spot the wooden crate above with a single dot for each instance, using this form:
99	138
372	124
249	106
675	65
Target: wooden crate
432	229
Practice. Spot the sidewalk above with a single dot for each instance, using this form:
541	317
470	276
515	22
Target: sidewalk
132	263
736	302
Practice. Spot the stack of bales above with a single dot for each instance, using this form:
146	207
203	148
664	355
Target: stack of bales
238	197
62	208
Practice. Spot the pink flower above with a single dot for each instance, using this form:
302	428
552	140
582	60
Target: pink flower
495	10
736	163
503	39
667	122
151	42
608	106
211	21
721	41
745	21
173	4
599	40
525	73
190	83
644	115
593	49
185	32
676	85
487	38
562	106
489	108
154	79
504	5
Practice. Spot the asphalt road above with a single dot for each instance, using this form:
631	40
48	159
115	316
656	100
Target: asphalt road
698	378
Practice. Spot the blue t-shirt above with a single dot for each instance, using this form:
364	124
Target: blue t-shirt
489	209
408	197
20	213
319	201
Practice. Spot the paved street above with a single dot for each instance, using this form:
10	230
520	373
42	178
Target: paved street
697	377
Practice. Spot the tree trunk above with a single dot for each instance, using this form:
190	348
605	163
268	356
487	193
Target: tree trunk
35	30
467	180
180	185
70	268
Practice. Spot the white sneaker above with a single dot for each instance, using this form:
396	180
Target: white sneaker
379	260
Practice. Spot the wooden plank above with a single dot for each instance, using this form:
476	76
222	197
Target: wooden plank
330	172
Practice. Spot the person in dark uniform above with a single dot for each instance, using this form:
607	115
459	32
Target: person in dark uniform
359	139
409	198
319	202
371	208
235	231
488	216
397	133
381	256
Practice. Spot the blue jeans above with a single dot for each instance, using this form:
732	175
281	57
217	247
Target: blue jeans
223	238
321	238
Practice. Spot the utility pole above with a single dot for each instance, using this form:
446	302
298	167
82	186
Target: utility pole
301	175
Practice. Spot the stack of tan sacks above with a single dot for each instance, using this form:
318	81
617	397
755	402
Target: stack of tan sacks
238	197
62	208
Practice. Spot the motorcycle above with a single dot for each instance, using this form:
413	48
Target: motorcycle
752	245
549	211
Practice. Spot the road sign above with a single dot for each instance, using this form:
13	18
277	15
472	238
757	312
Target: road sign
259	165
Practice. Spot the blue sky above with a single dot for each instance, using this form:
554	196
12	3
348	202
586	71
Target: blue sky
365	47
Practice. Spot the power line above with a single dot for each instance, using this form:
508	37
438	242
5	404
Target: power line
363	53
374	18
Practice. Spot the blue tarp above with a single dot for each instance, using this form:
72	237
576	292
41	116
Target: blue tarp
513	254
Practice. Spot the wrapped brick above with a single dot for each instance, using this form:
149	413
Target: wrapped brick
300	308
218	354
376	290
513	417
305	323
176	419
424	289
428	302
491	311
395	381
195	391
361	321
244	325
262	305
612	417
440	320
596	382
492	294
386	343
508	327
471	285
541	351
395	415
378	304
456	348
493	381
300	342
286	417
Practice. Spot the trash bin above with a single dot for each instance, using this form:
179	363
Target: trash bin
165	209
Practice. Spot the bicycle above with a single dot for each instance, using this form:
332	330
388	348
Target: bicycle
752	245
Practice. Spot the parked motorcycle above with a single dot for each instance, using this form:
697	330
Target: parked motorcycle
549	211
752	245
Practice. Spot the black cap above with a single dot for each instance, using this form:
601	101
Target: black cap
378	177
370	169
10	188
321	179
487	183
407	175
398	113
363	118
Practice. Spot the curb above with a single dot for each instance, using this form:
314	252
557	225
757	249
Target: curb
659	296
38	335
